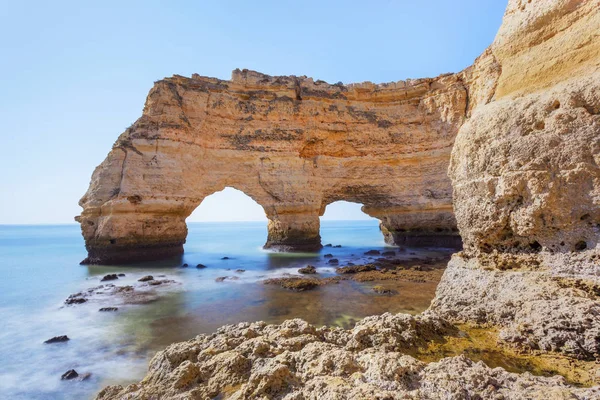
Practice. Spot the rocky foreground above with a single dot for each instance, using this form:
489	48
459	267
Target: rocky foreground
295	360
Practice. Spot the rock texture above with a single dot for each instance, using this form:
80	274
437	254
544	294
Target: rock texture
526	177
292	144
297	361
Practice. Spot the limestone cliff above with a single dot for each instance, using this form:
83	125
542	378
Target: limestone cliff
525	171
292	144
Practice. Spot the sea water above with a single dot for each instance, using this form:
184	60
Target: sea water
39	269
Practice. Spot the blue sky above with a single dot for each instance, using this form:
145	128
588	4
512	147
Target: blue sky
75	74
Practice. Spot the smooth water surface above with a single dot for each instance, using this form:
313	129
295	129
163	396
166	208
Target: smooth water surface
39	269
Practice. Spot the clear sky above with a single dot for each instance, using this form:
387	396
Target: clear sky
75	74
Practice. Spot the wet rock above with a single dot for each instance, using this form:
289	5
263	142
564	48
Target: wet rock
372	253
121	275
239	271
388	253
328	245
309	269
146	278
184	266
109	277
294	283
77	298
333	261
58	339
337	246
200	266
328	256
108	309
225	258
220	279
355	269
70	374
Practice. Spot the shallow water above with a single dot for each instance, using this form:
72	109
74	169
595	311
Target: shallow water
39	269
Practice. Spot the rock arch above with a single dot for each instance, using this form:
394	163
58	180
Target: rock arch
292	144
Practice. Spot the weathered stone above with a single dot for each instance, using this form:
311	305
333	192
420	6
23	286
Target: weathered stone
386	146
146	278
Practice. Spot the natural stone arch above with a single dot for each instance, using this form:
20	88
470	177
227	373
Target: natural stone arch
293	145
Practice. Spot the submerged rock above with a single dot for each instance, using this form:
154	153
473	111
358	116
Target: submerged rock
383	290
294	283
108	309
58	339
328	256
333	261
200	266
309	269
372	253
70	374
146	278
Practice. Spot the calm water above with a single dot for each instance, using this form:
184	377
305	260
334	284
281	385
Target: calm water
39	269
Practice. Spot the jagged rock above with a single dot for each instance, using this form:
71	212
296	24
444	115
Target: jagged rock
296	360
57	339
108	309
526	182
70	374
146	278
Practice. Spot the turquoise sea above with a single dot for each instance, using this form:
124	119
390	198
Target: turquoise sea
39	269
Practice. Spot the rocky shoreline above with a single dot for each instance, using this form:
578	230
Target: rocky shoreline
295	360
525	177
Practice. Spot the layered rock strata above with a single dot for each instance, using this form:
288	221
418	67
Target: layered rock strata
292	144
525	171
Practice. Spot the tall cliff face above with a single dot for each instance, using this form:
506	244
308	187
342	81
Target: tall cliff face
525	171
293	145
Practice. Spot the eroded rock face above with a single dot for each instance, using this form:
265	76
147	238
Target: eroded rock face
525	171
525	167
295	360
292	144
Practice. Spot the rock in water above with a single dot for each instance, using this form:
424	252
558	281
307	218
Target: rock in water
70	374
372	253
200	266
309	269
58	339
108	309
146	278
109	277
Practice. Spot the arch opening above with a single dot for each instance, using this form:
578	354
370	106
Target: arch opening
229	215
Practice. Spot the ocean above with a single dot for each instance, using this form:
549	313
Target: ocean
39	269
